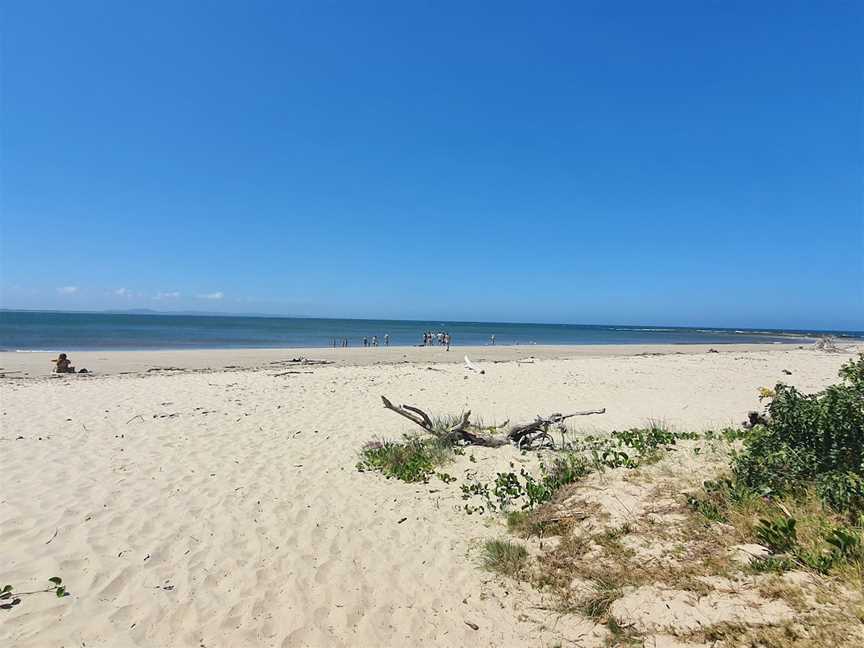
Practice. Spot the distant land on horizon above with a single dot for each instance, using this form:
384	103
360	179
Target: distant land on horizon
149	311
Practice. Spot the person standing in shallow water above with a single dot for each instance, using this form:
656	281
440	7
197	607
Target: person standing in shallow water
386	339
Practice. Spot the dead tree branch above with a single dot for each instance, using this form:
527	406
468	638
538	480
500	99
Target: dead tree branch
423	421
531	435
536	433
462	431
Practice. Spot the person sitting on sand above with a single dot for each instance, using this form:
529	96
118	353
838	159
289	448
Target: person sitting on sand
63	364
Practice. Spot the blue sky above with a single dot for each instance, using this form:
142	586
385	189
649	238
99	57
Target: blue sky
603	162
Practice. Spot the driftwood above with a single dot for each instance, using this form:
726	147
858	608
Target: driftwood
471	367
461	431
301	360
531	435
831	345
536	433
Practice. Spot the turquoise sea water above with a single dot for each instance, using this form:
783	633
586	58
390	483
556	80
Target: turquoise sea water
50	331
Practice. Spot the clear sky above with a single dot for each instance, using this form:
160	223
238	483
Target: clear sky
587	162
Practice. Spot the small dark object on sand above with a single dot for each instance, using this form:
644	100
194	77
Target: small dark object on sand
473	626
713	351
754	418
787	372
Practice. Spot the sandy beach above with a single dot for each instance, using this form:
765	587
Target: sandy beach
38	363
208	499
433	325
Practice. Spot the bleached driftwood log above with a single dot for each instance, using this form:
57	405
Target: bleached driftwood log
528	435
471	367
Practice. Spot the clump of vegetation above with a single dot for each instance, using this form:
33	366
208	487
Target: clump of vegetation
826	549
596	605
797	487
800	531
811	441
542	522
718	496
10	598
621	449
411	460
634	447
509	488
505	557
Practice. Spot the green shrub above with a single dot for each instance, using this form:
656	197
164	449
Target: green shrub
811	439
565	469
853	373
772	466
845	544
717	497
779	534
839	546
707	508
842	491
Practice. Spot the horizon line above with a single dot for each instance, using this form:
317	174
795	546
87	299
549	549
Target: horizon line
145	312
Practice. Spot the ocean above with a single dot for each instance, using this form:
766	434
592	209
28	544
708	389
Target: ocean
54	331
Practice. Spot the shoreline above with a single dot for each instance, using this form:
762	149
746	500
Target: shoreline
33	364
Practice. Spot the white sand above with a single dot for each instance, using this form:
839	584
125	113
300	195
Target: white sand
38	363
223	508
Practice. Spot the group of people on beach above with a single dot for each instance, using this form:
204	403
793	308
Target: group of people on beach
442	338
367	342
